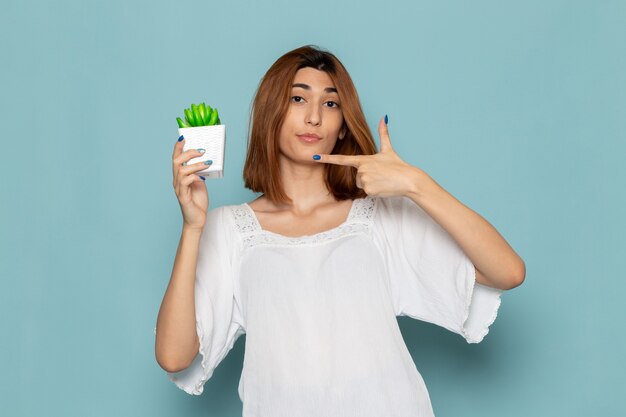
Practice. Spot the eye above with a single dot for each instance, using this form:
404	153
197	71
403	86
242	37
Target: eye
336	105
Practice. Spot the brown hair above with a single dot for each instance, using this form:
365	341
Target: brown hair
261	171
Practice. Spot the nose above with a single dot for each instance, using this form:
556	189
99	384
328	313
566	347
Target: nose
314	116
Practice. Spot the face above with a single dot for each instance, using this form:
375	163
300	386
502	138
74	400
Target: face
314	108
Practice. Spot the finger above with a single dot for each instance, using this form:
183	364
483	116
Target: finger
184	170
198	166
190	179
178	146
186	156
183	174
383	132
183	185
350	160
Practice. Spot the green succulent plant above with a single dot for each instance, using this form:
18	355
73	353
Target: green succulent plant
199	115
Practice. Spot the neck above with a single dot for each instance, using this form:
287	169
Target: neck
304	184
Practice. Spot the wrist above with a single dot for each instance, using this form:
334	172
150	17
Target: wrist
421	184
193	231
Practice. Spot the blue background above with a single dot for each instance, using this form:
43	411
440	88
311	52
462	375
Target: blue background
517	108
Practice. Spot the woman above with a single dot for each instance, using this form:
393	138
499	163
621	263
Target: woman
315	270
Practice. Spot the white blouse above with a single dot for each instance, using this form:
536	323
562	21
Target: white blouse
319	311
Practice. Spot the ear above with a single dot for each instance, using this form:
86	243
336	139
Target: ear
342	132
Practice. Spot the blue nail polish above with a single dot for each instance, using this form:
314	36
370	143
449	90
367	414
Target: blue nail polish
202	178
316	157
386	120
181	138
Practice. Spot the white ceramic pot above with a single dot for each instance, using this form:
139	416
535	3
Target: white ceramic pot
213	140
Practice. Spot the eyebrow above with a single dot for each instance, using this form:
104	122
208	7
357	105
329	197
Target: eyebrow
308	87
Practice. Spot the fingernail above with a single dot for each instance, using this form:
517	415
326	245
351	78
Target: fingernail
201	150
208	162
316	157
181	138
386	120
202	178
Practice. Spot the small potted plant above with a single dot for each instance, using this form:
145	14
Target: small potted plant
202	129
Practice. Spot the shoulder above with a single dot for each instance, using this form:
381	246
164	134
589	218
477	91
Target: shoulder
394	205
221	225
216	214
396	213
234	220
260	203
220	219
224	214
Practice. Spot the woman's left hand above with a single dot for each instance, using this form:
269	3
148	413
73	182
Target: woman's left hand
382	174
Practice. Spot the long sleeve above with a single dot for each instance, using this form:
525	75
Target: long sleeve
218	316
430	277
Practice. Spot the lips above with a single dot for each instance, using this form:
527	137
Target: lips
309	138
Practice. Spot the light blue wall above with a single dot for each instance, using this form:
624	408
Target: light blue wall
516	108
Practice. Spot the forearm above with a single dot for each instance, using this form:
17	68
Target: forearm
177	341
490	253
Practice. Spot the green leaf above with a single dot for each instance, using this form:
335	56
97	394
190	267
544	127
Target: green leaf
196	116
202	112
207	114
181	124
189	117
213	117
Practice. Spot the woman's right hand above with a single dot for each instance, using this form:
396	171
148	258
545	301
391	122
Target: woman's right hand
192	194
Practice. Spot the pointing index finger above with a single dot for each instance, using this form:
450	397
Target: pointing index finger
337	159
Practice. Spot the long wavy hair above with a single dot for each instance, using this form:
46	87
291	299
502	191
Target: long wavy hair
261	171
